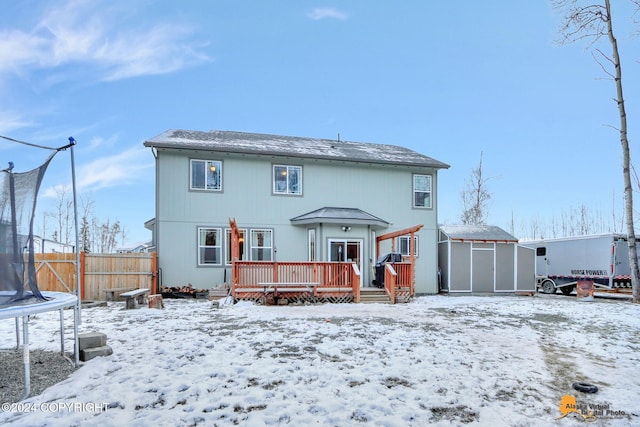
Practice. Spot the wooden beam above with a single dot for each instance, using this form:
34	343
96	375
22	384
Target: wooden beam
399	233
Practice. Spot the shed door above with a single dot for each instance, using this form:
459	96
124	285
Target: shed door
482	267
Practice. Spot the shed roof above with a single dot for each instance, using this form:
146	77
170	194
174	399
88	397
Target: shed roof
291	146
485	233
331	215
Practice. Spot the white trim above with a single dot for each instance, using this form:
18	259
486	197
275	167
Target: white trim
413	191
251	247
360	243
207	162
220	240
287	191
227	242
312	250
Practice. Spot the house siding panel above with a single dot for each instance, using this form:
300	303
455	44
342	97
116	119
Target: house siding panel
505	263
384	191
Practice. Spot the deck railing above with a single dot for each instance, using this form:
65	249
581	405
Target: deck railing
328	279
398	280
345	277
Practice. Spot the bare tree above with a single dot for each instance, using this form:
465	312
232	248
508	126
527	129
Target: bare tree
63	215
593	21
475	197
85	231
94	235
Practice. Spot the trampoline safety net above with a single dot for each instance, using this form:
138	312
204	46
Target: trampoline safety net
18	196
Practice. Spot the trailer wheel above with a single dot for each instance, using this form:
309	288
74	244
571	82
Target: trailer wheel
548	287
566	290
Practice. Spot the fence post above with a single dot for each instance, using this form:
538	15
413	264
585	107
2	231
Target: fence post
154	273
81	275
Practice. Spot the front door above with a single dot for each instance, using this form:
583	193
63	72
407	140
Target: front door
346	251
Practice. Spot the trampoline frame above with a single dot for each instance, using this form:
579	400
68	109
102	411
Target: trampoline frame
55	301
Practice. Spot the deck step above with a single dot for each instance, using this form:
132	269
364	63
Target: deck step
374	296
379	296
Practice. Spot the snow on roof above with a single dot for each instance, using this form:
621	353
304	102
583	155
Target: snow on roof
489	233
291	146
339	215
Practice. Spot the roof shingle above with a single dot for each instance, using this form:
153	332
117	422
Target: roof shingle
292	146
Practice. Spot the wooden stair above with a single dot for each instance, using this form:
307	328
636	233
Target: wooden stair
374	296
379	296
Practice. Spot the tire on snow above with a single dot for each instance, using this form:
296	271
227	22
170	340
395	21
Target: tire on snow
585	387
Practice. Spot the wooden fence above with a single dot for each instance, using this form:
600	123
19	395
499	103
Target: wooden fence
98	272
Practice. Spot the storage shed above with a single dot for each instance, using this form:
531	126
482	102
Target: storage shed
483	259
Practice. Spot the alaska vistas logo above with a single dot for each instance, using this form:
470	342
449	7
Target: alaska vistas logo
587	411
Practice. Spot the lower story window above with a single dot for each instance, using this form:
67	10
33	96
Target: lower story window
241	239
312	244
209	246
261	245
404	245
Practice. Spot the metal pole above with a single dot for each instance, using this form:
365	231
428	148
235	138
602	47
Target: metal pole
76	312
61	332
25	356
17	333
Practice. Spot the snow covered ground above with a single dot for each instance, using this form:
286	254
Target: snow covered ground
441	360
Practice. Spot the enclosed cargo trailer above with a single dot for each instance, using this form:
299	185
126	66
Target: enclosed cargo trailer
602	259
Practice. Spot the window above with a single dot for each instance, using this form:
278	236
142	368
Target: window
312	244
209	246
261	245
421	191
206	175
287	179
403	245
541	251
243	238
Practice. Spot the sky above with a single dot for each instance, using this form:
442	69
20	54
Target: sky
452	80
440	360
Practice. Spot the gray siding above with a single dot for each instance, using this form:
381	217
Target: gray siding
526	269
460	269
383	191
505	263
483	256
443	263
486	267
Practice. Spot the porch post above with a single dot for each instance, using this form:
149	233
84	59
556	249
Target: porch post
412	253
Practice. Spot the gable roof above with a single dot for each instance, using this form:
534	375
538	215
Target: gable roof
291	146
329	215
483	233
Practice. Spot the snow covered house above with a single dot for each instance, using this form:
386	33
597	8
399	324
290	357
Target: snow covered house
294	199
483	259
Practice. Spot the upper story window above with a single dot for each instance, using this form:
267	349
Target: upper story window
209	246
422	191
206	175
287	179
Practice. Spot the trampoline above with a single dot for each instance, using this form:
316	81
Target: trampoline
20	296
25	308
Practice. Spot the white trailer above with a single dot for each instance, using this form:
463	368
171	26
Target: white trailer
561	263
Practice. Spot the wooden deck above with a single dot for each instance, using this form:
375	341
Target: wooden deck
267	282
272	282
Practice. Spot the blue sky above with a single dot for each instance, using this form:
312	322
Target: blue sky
447	79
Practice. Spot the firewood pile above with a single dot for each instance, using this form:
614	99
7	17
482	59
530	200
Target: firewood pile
186	291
